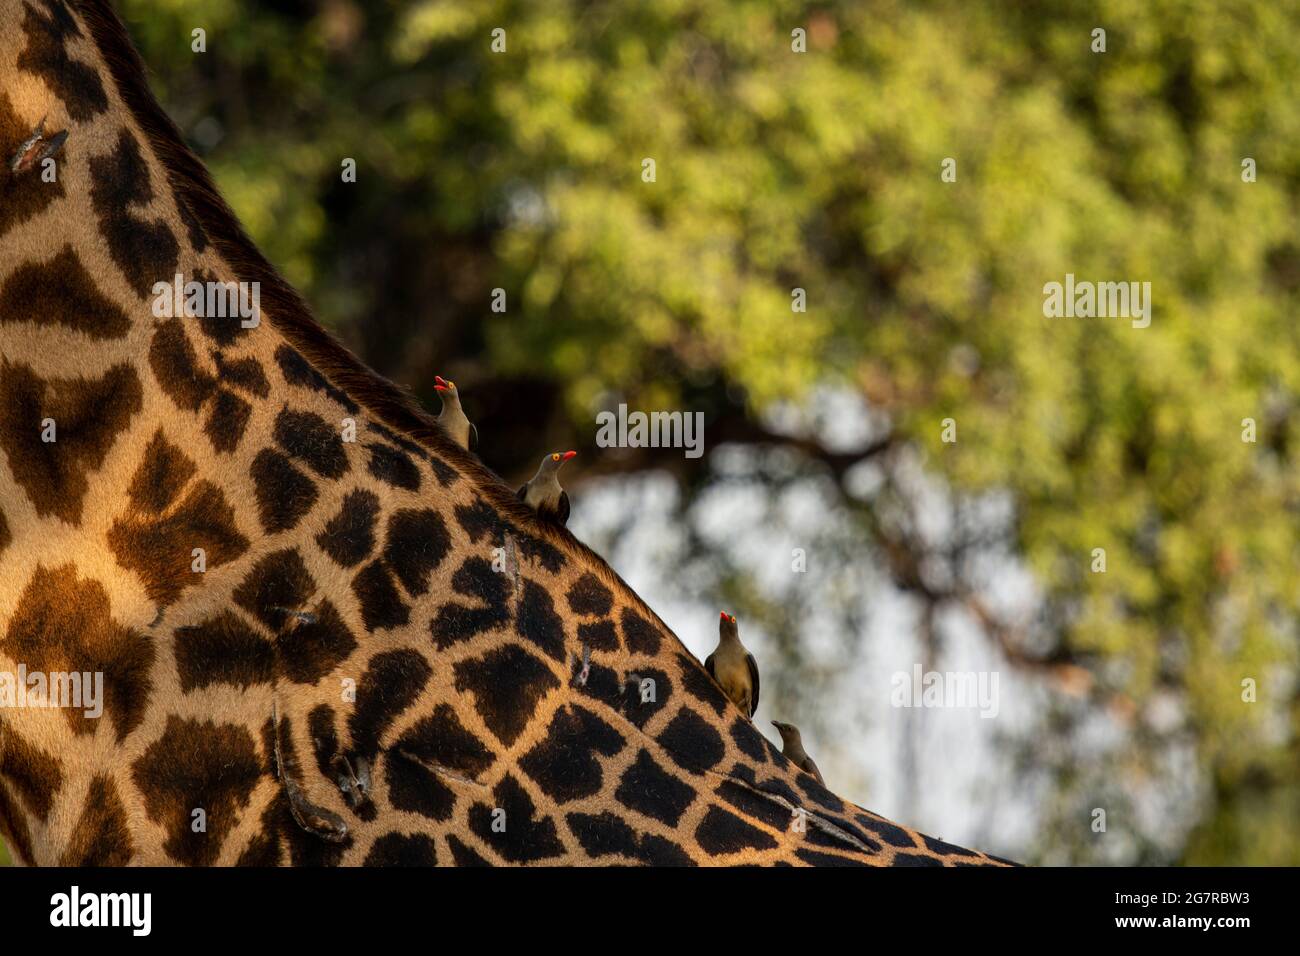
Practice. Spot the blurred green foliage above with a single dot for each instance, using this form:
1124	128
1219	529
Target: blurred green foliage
821	170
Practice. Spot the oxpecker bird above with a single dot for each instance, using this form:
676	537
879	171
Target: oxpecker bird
452	417
543	493
36	148
792	747
733	667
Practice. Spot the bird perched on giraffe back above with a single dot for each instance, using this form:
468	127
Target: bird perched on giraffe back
543	493
792	747
733	667
452	418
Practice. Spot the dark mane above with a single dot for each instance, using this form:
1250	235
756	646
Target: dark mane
286	310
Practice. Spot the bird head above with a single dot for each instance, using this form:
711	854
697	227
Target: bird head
552	462
447	389
788	732
727	625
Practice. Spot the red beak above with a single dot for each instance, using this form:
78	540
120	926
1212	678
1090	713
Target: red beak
724	615
440	388
567	455
440	383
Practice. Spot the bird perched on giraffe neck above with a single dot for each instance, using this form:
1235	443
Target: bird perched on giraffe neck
36	148
543	493
733	667
792	747
452	417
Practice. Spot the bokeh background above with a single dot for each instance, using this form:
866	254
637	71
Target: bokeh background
1119	691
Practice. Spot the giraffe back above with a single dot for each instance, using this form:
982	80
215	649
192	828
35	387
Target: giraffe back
326	634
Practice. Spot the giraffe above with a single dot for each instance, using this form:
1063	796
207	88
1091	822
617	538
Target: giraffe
327	634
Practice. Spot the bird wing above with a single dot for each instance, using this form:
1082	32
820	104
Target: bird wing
473	437
563	510
753	679
811	767
708	666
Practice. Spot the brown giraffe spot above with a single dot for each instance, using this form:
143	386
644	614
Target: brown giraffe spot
264	847
159	545
35	775
605	834
21	197
813	858
819	794
315	648
222	328
755	806
463	855
284	494
145	250
278	584
298	371
638	634
416	544
722	832
244	374
528	836
162	474
639	707
748	740
312	440
400	849
602	685
564	764
88	415
307	647
507	683
457	622
391	683
589	596
697	682
381	605
393	467
441	739
226	421
324	738
176	367
479	519
537	621
46	56
193	228
647	788
62	624
692	742
197	766
223	650
415	764
599	635
61	292
6	536
414	788
349	536
101	836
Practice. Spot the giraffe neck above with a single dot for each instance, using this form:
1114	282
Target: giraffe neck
325	633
